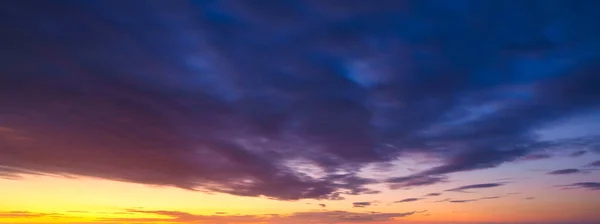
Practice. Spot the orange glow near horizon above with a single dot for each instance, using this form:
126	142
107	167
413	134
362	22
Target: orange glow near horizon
44	199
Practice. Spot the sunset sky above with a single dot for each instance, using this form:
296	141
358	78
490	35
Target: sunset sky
300	111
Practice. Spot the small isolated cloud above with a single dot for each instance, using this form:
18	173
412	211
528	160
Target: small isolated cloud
414	181
361	204
487	198
594	186
408	200
433	194
322	205
594	164
475	186
578	153
472	200
444	200
533	157
565	171
529	198
461	201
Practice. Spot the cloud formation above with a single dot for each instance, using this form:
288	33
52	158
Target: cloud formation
294	218
594	164
472	200
287	101
578	153
475	186
26	214
582	185
361	204
408	200
565	171
433	194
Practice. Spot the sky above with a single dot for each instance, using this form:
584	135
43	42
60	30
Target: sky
300	111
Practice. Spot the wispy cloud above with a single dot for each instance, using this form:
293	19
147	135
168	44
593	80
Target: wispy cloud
472	200
433	194
578	153
594	164
361	204
565	171
582	185
26	214
475	186
408	200
298	217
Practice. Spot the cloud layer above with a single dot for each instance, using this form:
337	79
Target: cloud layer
288	100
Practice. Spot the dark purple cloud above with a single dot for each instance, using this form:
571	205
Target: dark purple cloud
476	186
533	157
415	181
473	200
245	98
594	164
433	194
578	153
361	204
461	201
565	171
582	185
408	200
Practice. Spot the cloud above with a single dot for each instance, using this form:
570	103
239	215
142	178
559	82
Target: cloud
472	200
487	198
433	194
415	181
475	186
594	164
578	153
582	185
26	214
529	198
408	200
443	200
533	157
278	99
323	205
361	204
295	218
565	171
462	201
